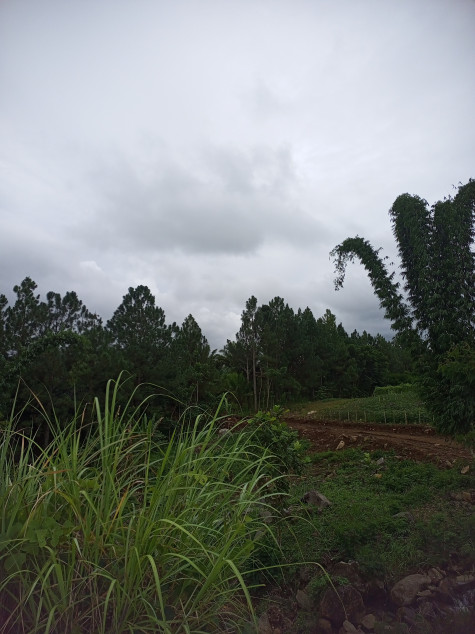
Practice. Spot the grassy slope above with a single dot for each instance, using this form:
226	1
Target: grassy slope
393	407
363	523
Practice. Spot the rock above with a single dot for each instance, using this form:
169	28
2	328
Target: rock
306	573
368	622
445	591
405	591
304	601
428	610
406	615
340	445
407	515
435	575
315	498
324	626
263	625
425	593
464	583
380	461
344	604
347	628
465	470
348	571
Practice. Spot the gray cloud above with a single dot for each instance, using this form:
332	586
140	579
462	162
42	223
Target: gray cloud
232	202
217	151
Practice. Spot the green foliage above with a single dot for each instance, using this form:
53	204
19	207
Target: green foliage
393	389
111	529
436	314
285	356
288	450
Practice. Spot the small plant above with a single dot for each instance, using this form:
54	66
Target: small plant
288	450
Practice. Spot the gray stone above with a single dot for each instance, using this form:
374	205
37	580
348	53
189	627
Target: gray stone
304	601
315	498
368	622
435	575
348	628
404	592
263	625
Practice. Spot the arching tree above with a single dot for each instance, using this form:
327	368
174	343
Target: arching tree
435	310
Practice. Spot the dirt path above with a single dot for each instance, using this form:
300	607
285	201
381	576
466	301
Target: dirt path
410	441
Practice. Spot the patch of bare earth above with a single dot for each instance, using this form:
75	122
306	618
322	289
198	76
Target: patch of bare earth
416	442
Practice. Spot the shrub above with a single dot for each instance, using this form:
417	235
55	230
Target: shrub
288	450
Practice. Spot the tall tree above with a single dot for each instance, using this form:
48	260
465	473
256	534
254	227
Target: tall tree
248	336
437	312
69	313
138	329
26	319
193	358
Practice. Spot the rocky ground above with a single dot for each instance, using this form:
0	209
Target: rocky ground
430	601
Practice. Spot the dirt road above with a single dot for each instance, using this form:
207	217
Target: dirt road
410	441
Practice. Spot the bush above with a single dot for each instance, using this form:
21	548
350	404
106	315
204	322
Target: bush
288	450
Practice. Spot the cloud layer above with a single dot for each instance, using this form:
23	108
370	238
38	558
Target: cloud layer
217	150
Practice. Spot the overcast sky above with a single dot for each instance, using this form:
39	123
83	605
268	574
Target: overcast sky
218	149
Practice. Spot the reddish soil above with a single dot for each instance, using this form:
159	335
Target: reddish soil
417	442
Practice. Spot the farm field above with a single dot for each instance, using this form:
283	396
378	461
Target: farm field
386	406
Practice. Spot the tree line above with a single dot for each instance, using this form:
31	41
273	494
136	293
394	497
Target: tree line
56	354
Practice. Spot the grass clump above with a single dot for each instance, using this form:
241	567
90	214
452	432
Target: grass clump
111	528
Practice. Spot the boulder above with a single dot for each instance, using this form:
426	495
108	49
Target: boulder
404	592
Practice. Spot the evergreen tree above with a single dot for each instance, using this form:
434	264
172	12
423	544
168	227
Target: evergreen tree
194	361
138	330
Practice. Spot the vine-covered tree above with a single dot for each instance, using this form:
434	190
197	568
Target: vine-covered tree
435	311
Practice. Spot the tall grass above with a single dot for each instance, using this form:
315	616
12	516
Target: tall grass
112	528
